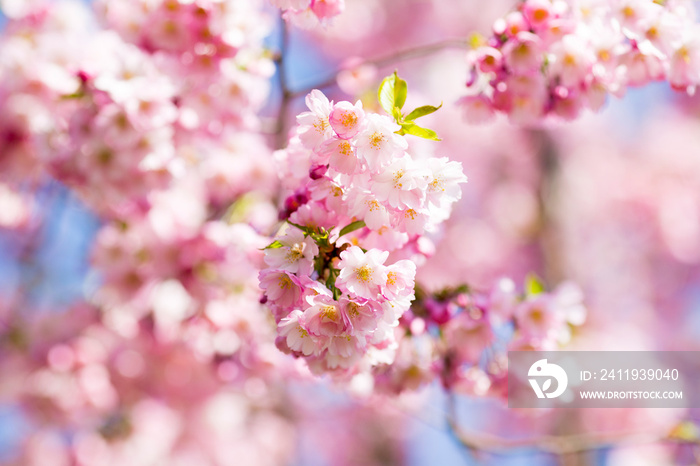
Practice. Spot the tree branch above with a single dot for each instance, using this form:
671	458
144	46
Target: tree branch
553	444
402	55
285	93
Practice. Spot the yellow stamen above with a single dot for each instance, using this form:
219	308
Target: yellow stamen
345	148
321	125
352	310
285	282
295	253
397	179
684	54
373	205
348	119
376	140
364	273
438	184
329	312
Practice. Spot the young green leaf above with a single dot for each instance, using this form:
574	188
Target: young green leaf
422	111
386	94
400	92
392	93
533	285
352	227
397	115
415	130
274	245
307	231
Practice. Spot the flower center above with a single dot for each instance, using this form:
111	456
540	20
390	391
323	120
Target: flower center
348	119
329	312
537	316
437	184
684	54
397	179
285	282
321	125
540	14
295	253
373	205
345	148
352	310
376	140
364	273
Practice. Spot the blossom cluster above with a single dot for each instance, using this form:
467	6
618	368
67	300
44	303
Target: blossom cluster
461	336
360	169
117	117
357	196
118	141
309	13
560	57
213	49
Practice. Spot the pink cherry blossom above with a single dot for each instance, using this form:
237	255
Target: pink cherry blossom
377	144
362	273
346	119
296	253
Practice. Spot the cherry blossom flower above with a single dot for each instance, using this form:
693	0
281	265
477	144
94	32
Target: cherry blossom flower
362	274
346	119
295	255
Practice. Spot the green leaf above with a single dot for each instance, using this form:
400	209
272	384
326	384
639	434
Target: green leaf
386	94
307	231
352	227
415	130
274	245
330	282
76	95
397	115
422	111
392	93
533	285
400	92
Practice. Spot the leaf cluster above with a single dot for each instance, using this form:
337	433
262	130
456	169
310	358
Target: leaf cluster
392	97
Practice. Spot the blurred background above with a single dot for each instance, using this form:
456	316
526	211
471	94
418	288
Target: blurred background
610	202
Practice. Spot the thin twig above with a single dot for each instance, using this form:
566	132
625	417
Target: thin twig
557	445
285	94
402	55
